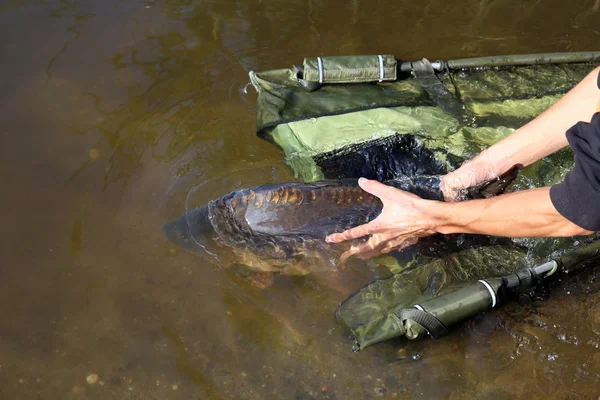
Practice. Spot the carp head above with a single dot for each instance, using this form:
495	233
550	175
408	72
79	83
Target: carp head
192	231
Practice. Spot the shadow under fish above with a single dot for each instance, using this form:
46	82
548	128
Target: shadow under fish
282	227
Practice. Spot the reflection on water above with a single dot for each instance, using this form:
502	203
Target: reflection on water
113	110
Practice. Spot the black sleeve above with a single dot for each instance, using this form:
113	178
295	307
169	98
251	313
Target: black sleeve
577	198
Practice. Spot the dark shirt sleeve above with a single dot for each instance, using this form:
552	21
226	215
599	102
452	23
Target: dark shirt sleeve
577	198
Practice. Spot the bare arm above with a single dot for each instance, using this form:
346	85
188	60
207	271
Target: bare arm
528	213
546	134
406	217
542	136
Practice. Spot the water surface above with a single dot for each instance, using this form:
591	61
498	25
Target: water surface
112	111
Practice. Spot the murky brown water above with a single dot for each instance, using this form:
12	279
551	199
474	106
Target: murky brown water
112	111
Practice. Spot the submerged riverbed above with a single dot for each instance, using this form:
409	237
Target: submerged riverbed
113	111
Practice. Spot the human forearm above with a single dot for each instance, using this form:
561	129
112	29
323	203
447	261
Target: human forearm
406	217
539	138
546	133
521	214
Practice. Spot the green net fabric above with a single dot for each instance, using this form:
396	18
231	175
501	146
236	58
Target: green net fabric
369	315
335	120
349	130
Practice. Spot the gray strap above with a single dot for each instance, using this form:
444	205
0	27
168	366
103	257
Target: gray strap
433	325
299	73
423	71
321	73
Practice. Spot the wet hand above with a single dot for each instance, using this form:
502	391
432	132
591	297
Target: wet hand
404	219
471	173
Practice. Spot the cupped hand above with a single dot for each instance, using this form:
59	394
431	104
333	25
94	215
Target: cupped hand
471	173
404	219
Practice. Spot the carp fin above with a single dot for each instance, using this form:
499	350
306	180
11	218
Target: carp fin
498	185
325	183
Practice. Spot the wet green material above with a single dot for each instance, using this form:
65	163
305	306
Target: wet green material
364	314
579	258
479	106
370	314
340	130
350	69
458	305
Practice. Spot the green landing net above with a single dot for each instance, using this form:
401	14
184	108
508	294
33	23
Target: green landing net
346	117
370	315
337	117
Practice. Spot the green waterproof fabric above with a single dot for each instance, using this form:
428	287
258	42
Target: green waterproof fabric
310	126
304	141
369	315
348	130
350	69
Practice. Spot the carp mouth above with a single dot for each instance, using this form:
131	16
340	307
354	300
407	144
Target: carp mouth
192	231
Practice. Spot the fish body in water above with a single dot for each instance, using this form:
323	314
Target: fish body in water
278	227
282	227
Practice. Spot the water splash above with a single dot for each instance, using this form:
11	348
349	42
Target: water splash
244	93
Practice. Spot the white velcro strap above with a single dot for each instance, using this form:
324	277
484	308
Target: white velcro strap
320	62
555	264
492	293
380	68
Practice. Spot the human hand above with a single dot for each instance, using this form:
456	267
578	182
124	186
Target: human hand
471	173
404	219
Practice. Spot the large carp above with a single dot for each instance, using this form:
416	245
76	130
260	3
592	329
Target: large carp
282	227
